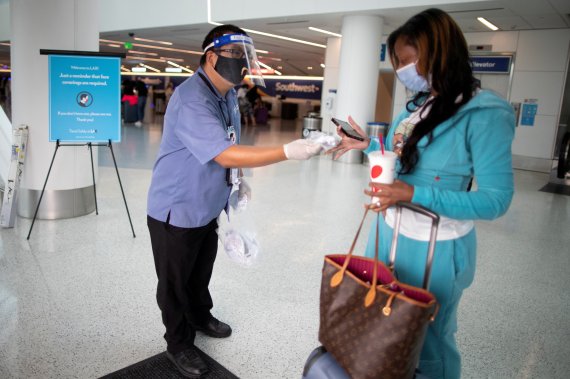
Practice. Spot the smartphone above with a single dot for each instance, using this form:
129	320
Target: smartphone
347	129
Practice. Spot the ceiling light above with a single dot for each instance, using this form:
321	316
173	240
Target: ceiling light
210	15
125	69
138	69
264	65
177	65
172	59
149	67
271	69
263	33
173	69
487	23
152	41
132	57
156	47
285	38
142	52
262	51
322	65
309	67
161	74
5	43
113	45
292	77
273	59
280	67
325	31
168	49
111	41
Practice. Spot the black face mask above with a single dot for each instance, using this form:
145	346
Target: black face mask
231	69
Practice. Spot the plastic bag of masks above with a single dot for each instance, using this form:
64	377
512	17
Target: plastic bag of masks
237	232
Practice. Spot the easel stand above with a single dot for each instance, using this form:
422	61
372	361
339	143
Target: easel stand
90	145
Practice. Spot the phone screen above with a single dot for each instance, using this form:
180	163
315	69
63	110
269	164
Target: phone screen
347	129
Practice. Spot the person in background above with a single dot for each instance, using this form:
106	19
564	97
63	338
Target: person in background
168	91
142	92
195	171
253	96
450	132
245	106
129	101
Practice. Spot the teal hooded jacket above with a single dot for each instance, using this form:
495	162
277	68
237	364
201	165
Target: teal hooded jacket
475	142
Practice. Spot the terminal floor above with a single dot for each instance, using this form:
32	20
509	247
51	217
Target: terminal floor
78	299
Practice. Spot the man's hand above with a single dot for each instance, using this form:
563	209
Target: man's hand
301	149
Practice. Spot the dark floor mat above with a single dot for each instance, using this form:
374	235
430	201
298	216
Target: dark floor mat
159	367
559	189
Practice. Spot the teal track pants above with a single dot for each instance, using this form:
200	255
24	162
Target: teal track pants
452	271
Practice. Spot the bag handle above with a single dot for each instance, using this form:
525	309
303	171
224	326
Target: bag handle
339	276
432	239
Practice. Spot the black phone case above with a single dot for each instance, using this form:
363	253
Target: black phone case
349	132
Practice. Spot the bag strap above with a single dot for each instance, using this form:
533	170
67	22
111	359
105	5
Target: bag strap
339	276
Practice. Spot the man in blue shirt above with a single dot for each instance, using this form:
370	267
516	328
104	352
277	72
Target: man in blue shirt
193	176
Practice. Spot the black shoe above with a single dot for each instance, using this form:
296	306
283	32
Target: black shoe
215	328
189	363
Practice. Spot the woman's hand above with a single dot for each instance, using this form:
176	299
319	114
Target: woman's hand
348	143
389	194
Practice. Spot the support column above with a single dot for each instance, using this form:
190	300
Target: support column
55	25
358	77
330	83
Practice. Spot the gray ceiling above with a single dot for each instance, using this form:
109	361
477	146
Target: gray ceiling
294	58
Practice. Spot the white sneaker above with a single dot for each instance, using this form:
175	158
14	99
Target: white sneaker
138	124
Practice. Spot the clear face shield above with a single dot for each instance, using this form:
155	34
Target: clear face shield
236	59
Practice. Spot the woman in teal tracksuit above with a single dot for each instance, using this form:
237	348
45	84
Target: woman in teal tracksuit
450	132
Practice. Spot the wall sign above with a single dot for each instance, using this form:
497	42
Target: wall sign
295	89
528	112
84	98
491	64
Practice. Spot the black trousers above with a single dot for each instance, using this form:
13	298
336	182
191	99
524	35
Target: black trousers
183	259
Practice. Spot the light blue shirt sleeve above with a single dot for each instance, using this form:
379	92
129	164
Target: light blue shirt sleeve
489	137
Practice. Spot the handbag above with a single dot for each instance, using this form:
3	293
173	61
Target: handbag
371	323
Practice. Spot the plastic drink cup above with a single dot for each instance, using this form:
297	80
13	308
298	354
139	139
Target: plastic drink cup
382	167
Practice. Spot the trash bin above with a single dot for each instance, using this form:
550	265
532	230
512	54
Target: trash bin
373	130
312	122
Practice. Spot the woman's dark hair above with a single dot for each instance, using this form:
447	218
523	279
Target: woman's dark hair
443	60
219	31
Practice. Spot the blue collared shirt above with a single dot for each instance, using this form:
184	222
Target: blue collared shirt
186	181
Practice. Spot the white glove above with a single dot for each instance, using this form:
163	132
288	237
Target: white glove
301	149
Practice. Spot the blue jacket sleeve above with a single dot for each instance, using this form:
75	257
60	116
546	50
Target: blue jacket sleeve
489	136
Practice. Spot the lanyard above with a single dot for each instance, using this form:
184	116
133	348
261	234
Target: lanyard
227	122
232	175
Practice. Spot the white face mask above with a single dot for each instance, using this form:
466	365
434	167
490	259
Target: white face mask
410	78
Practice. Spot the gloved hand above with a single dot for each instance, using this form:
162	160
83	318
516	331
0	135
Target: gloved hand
301	149
244	191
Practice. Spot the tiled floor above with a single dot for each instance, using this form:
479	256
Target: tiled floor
78	299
